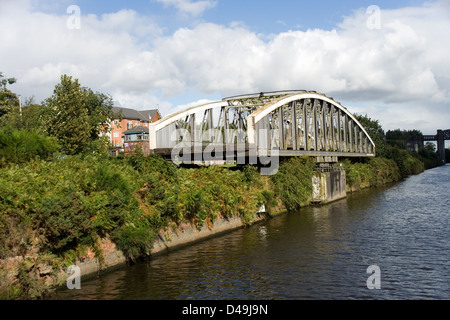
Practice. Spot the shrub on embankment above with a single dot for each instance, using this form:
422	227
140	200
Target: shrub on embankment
20	146
293	182
59	208
51	212
379	171
372	173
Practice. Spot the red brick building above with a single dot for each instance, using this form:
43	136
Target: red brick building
131	128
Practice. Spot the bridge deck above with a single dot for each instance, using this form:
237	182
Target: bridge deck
223	151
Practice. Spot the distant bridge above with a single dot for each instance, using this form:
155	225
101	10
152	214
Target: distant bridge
417	142
250	127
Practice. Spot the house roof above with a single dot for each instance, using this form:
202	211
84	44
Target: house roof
137	129
132	114
150	114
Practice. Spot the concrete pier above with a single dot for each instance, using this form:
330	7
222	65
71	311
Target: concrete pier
329	186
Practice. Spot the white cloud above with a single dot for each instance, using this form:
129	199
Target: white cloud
37	48
399	74
193	8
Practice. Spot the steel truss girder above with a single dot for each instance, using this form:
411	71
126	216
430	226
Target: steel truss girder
311	122
294	122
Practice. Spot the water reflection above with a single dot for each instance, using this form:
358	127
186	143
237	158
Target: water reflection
317	253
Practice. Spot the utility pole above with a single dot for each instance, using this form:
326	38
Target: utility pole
20	107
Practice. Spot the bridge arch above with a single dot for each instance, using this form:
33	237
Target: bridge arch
292	122
309	123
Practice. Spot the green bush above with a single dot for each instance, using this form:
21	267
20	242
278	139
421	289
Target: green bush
62	220
67	202
207	192
19	146
293	182
373	172
407	162
134	236
430	158
383	171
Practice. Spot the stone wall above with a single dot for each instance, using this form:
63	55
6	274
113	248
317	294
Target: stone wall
44	275
168	240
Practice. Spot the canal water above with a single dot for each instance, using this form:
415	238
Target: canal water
315	253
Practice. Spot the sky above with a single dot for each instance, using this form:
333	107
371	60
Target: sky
387	59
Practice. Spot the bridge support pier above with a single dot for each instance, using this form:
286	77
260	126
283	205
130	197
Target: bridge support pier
417	143
327	159
329	186
441	145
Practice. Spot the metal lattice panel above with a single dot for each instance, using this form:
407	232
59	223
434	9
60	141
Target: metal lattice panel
293	122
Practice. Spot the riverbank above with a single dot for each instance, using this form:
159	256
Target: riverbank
100	213
317	252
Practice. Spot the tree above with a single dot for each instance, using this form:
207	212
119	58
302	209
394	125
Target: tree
77	115
99	108
28	117
399	137
5	81
375	132
31	118
8	99
430	147
67	116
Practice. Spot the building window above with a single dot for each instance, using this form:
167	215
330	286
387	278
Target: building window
115	134
116	122
129	125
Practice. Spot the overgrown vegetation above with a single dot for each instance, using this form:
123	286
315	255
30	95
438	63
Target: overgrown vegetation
392	146
293	182
393	161
63	205
370	173
20	146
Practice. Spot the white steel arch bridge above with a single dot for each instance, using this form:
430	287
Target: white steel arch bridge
247	128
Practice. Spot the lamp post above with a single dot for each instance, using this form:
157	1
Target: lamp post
20	106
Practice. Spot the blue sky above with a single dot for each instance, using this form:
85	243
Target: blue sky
173	53
268	16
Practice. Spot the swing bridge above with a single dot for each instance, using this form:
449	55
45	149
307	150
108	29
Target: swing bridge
254	127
